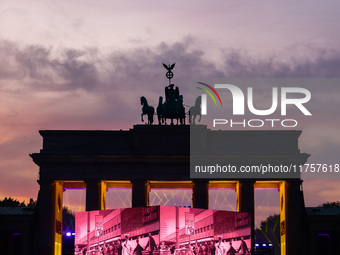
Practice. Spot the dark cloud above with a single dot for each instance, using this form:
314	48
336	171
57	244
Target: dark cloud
44	68
37	68
321	63
118	78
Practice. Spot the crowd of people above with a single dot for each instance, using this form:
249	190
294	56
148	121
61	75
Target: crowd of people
219	248
119	247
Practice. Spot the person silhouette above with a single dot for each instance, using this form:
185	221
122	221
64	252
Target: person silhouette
220	249
243	247
151	245
138	250
231	250
126	246
171	94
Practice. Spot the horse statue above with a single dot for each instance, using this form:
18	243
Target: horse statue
195	110
147	110
180	110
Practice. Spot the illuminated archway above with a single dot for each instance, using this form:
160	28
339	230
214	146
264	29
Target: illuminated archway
170	193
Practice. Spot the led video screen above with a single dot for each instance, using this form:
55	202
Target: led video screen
162	230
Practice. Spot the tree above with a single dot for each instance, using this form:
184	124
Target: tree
330	205
269	232
32	203
68	220
11	202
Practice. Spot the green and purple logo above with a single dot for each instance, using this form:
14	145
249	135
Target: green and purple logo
204	97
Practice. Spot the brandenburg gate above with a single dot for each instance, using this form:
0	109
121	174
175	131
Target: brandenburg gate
158	156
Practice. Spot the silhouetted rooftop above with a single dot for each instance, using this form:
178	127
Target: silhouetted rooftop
16	210
320	211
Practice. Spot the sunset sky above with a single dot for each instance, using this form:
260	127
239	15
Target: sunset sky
84	65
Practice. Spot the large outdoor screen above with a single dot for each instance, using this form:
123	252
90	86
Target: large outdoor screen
162	230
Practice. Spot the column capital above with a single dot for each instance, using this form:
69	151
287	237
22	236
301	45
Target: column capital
200	194
92	180
294	181
95	195
247	181
140	193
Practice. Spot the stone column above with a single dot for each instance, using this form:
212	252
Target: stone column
95	195
140	193
294	217
245	203
48	232
200	194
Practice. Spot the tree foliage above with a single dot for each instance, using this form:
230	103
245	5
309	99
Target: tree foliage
12	202
68	220
330	205
269	232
